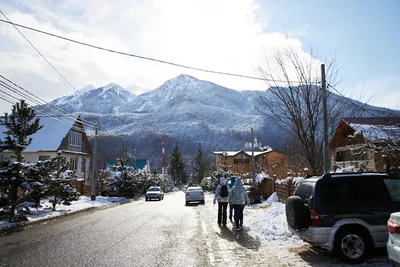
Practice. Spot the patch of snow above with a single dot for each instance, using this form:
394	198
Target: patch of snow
272	199
45	211
270	223
261	176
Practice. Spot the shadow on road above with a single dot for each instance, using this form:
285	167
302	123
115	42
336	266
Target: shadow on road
193	204
316	256
242	238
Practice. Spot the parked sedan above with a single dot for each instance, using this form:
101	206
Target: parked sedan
393	244
154	192
194	194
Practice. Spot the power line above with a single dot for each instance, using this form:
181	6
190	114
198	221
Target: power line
6	100
147	58
352	102
48	62
46	115
16	91
47	105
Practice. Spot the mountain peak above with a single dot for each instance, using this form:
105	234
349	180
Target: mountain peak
111	86
85	89
183	78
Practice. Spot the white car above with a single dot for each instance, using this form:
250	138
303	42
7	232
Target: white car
154	192
194	194
393	244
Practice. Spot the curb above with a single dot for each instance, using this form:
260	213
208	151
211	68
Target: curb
21	226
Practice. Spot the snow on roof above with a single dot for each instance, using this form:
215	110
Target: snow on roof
376	133
234	153
47	138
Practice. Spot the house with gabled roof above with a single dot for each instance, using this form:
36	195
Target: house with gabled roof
370	143
272	162
58	136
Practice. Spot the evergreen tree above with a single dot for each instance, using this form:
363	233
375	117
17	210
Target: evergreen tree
176	168
126	180
199	168
60	184
20	125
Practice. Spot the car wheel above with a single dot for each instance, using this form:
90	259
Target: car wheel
202	202
351	245
187	203
147	199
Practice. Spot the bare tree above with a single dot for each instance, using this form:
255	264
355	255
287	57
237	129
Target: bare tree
294	100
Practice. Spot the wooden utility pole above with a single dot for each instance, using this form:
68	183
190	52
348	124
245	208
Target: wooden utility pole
327	160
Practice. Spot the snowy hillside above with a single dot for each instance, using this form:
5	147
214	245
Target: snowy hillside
184	109
108	99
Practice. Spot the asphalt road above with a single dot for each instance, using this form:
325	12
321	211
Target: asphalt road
155	233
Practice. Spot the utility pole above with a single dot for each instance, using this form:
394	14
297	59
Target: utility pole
253	165
94	177
327	160
162	156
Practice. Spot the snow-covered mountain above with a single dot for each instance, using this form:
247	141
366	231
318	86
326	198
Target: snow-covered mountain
184	109
108	99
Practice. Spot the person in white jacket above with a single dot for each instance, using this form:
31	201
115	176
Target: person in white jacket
238	198
222	196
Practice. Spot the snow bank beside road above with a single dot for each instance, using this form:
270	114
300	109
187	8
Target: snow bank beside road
83	203
269	223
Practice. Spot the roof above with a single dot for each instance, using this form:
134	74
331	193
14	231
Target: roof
49	137
234	153
373	129
376	129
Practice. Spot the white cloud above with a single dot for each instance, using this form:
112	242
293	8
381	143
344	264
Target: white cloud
223	35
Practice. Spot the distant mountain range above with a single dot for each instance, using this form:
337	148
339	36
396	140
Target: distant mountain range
185	110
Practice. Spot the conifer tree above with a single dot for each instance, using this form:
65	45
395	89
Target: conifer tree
199	168
176	168
20	125
60	184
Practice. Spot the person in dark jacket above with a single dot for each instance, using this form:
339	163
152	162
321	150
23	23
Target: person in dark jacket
222	196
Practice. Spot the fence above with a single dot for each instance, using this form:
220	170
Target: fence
284	190
85	189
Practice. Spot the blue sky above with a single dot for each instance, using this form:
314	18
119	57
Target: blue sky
224	35
364	35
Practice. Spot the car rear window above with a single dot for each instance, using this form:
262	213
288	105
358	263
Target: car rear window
194	189
154	189
305	189
393	186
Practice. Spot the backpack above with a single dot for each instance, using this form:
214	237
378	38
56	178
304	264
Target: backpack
224	191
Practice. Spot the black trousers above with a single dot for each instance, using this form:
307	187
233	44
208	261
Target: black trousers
238	215
222	212
230	211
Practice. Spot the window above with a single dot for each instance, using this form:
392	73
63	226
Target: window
393	186
83	165
368	191
74	164
241	159
75	139
43	158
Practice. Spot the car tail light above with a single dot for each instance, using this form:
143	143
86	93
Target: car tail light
315	218
393	227
201	193
187	193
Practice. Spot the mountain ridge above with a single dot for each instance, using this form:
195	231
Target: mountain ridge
186	110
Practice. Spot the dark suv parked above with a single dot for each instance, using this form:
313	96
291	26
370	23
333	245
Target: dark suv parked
346	213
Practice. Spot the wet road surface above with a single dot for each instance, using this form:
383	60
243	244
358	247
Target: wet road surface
155	233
